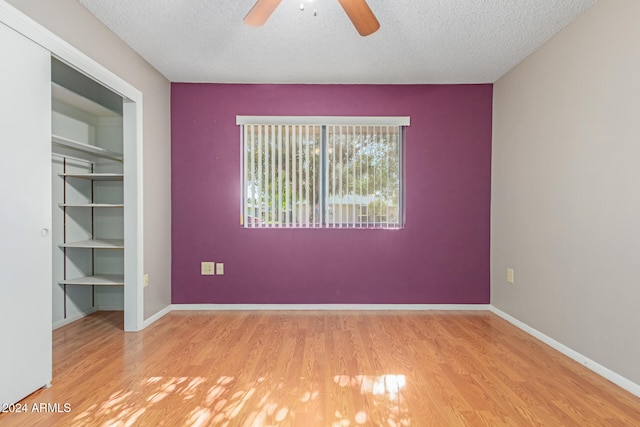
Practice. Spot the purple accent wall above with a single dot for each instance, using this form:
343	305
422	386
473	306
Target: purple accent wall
441	257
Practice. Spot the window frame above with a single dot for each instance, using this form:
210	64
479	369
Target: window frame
323	122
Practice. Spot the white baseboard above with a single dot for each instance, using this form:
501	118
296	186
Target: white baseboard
330	307
156	316
62	322
607	373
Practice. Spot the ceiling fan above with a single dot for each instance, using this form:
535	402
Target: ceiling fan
357	10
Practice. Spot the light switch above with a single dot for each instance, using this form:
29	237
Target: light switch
219	269
146	280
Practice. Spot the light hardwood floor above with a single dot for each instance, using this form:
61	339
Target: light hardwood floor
318	369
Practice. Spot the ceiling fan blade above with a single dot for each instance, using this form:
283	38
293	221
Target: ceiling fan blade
361	15
260	12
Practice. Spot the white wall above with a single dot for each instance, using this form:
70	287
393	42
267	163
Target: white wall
566	188
73	23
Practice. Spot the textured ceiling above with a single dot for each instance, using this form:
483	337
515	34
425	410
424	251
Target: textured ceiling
420	41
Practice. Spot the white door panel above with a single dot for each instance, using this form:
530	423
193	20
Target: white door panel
25	212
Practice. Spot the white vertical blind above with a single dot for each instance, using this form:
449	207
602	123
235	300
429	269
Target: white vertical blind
300	205
306	177
273	207
356	176
294	169
338	196
265	172
280	170
300	175
332	162
287	189
258	192
386	133
359	179
312	182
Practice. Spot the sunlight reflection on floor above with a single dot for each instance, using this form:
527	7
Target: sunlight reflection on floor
227	402
388	387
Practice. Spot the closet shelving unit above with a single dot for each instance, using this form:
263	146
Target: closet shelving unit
93	157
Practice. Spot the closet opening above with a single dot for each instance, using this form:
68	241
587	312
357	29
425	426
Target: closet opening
89	247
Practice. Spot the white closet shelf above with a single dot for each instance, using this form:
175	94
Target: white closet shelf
90	205
95	176
95	244
86	149
97	280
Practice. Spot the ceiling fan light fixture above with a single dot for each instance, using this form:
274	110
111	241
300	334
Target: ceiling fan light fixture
358	12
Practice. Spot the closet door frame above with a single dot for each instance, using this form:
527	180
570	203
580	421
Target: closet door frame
132	151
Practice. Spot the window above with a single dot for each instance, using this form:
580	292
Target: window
322	171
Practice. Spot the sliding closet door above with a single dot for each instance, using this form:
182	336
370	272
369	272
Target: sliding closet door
25	247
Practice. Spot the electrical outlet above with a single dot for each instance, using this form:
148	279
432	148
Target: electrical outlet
510	276
146	280
207	268
219	269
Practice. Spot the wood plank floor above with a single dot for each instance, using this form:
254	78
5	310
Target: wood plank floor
331	369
